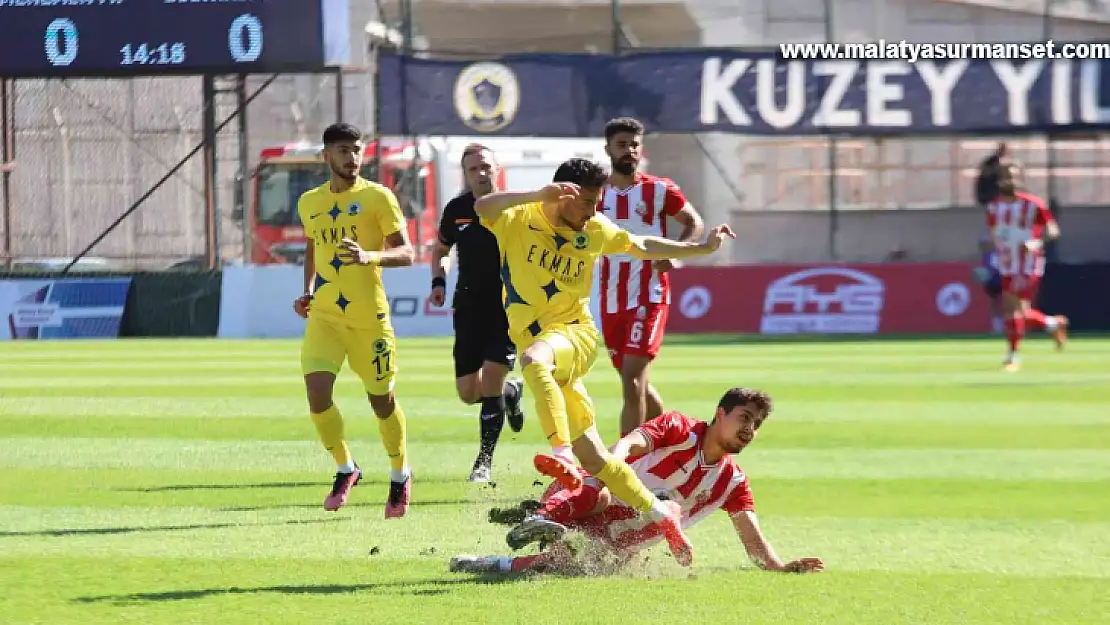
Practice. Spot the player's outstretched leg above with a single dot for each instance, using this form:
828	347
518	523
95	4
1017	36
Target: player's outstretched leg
534	529
1015	331
1060	332
551	407
563	471
329	427
1055	325
621	480
491	421
560	508
1015	327
558	558
465	563
391	426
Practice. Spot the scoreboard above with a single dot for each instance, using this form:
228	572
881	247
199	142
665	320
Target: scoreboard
88	38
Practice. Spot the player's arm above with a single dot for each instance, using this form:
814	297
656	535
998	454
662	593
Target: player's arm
301	304
396	250
658	248
1051	226
693	226
441	260
679	208
309	268
632	444
760	550
490	207
676	206
441	254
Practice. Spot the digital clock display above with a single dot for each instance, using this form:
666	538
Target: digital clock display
155	37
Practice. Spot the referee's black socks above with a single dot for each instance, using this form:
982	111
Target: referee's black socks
492	420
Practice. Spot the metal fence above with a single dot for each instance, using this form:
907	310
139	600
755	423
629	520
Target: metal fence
78	153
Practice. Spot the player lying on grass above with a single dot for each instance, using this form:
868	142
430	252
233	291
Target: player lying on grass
680	458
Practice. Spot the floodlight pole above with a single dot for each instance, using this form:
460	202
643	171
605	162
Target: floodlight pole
7	156
1050	147
834	221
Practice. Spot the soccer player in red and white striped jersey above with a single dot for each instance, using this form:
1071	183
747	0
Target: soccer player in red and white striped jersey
1020	223
686	460
635	294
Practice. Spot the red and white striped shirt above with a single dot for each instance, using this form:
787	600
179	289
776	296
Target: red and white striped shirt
675	468
626	282
1012	223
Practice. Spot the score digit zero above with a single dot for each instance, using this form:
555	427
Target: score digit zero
244	40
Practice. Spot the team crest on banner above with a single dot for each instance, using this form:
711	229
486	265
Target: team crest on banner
487	96
581	241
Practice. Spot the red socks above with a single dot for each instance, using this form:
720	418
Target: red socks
1015	330
1035	319
566	506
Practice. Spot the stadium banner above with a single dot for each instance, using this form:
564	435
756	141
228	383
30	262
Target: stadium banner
742	92
86	308
899	298
257	302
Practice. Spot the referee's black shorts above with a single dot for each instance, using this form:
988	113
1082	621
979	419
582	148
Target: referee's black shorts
481	335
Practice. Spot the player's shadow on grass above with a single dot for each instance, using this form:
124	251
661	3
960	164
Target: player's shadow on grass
373	504
425	587
365	481
104	531
177	487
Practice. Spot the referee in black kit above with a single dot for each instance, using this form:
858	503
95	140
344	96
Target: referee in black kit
483	352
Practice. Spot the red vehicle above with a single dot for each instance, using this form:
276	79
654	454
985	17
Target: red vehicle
285	172
423	175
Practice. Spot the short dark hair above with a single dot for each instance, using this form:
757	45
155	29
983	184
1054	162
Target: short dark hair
582	172
743	396
341	132
623	124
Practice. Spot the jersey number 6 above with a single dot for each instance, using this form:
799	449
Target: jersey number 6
636	333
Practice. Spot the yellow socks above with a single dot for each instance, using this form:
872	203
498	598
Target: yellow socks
329	426
622	482
394	435
551	406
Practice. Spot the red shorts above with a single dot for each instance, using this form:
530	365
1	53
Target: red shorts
607	526
635	332
604	527
1024	287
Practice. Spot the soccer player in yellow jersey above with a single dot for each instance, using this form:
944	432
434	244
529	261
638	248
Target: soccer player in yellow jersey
549	241
355	229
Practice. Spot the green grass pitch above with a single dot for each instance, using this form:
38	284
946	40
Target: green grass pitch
180	481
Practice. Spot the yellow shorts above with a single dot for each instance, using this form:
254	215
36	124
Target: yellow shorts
371	352
576	348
